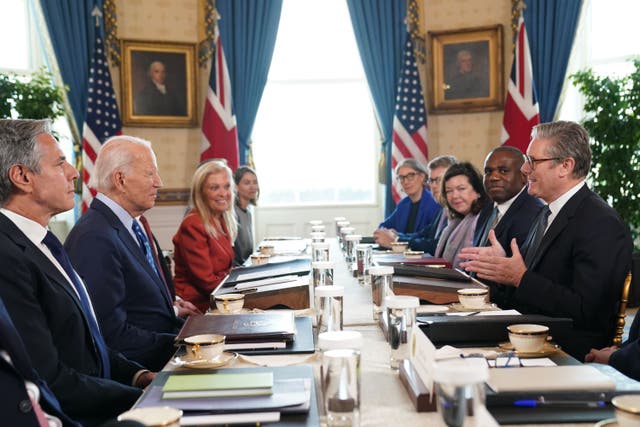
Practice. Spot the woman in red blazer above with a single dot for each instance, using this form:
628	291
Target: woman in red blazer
203	252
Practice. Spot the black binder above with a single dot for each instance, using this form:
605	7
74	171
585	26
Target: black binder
299	267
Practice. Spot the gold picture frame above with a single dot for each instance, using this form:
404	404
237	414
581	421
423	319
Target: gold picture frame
466	70
158	83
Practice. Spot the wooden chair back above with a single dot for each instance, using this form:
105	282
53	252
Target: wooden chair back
622	311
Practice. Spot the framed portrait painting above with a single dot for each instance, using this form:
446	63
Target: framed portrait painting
466	70
158	84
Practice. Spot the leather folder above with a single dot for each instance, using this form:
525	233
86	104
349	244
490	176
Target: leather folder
297	267
251	327
399	259
474	331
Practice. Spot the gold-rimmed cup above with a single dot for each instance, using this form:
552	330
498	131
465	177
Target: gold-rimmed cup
528	337
473	297
627	410
229	303
204	346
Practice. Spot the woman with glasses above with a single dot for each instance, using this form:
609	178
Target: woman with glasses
247	191
415	211
464	197
203	252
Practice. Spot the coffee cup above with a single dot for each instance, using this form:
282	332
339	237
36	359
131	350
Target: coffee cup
205	346
399	247
627	410
259	259
473	297
229	303
528	337
266	249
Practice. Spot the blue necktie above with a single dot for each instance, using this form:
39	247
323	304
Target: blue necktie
144	244
535	237
54	245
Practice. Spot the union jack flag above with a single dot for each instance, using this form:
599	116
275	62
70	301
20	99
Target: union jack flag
410	119
102	119
521	112
219	131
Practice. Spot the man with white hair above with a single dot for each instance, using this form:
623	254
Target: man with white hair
115	252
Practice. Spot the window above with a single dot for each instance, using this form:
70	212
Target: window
315	137
17	39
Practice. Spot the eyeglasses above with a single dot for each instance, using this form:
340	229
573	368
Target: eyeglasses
410	177
531	161
435	181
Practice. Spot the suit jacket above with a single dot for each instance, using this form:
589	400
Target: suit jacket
427	211
132	304
201	261
47	314
578	271
426	240
515	223
627	358
15	406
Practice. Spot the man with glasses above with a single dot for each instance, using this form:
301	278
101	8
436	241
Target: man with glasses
414	212
578	250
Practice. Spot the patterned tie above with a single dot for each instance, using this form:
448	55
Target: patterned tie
491	223
536	235
144	244
54	245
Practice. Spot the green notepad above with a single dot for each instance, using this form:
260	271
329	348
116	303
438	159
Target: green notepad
218	385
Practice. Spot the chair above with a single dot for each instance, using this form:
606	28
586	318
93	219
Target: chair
622	311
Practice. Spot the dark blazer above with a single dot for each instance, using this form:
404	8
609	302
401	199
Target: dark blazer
15	406
132	304
627	358
47	314
426	240
515	223
578	271
427	211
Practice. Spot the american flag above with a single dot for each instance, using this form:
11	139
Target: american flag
219	132
521	112
102	119
410	118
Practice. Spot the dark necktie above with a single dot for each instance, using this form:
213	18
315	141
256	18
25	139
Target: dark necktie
54	245
144	244
156	254
491	223
536	234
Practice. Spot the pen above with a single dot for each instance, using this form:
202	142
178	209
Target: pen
534	403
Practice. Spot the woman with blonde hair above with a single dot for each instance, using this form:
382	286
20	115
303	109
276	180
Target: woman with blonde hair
203	245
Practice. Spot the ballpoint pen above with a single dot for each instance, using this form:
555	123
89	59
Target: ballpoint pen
534	403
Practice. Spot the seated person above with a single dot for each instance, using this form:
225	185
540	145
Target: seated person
203	251
247	191
465	197
414	212
625	358
578	252
513	209
426	239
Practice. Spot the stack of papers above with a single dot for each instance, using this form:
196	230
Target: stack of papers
218	385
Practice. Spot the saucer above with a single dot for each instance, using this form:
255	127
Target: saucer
610	422
429	309
456	306
218	362
547	350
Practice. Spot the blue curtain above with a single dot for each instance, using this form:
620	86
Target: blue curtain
380	34
248	29
551	26
70	26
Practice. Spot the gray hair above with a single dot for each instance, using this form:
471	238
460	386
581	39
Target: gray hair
19	146
114	155
568	139
442	162
413	164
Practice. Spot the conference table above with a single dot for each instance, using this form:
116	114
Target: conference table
384	398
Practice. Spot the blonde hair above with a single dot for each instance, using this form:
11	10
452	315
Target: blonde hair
201	206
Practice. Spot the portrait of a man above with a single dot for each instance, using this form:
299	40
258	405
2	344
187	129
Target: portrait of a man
159	84
466	70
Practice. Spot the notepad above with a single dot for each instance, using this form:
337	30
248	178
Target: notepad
218	385
549	379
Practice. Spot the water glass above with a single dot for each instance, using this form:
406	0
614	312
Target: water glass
344	232
328	308
401	318
318	237
322	273
381	287
460	391
320	251
364	253
351	241
340	221
340	377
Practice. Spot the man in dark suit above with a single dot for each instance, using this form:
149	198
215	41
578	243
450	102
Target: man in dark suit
512	211
578	251
47	302
119	260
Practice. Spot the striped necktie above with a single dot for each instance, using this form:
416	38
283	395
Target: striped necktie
144	244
